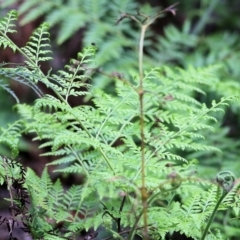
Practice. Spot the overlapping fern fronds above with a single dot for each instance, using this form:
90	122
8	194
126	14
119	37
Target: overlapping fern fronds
102	142
56	205
114	118
10	136
35	51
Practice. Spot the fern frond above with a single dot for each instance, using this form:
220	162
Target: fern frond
73	197
37	10
38	47
68	82
50	103
53	237
23	75
11	136
67	28
35	51
6	26
38	191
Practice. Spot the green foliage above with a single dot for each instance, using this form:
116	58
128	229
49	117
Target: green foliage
35	48
132	145
80	14
99	19
50	203
7	26
10	136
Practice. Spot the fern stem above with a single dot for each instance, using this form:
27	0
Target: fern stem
144	25
106	159
141	44
150	200
225	180
141	97
213	214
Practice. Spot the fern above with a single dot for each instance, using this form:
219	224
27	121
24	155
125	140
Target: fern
76	75
70	139
132	145
6	26
99	23
11	136
22	75
35	50
55	205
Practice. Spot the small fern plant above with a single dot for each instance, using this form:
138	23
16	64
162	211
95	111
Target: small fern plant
129	146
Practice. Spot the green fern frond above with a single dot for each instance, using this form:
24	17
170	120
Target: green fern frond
35	51
49	103
52	237
6	26
38	191
37	9
37	47
72	197
74	168
68	83
11	136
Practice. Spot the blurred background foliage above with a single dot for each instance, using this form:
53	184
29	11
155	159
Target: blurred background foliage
203	32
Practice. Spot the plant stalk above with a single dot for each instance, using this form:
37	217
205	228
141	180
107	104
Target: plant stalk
141	97
213	214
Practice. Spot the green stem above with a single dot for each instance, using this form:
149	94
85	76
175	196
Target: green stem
144	25
141	43
213	214
225	180
150	200
141	95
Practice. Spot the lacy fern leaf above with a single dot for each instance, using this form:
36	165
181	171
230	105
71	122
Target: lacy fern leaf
37	47
6	26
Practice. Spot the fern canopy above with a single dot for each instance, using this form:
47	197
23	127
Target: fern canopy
136	147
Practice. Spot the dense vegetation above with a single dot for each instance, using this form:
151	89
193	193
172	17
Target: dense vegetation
144	120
